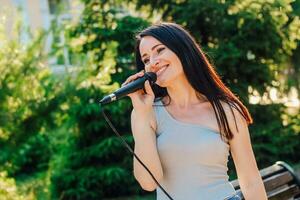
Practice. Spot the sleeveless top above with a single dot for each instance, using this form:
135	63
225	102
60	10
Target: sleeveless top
194	159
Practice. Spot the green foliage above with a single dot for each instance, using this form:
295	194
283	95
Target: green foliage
8	189
28	97
90	164
274	140
241	37
32	155
98	166
26	90
33	186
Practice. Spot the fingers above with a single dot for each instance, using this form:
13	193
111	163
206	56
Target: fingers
148	88
133	77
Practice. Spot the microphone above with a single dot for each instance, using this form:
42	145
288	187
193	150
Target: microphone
129	88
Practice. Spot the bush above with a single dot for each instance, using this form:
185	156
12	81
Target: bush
273	139
8	189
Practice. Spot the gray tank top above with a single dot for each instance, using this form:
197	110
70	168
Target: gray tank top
194	160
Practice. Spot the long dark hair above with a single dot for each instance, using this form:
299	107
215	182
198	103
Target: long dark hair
199	72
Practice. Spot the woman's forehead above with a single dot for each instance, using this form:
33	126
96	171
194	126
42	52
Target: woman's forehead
147	43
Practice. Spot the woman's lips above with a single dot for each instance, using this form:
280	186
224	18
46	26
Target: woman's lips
161	70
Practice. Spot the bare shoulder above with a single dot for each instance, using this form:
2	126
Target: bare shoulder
238	125
234	116
152	119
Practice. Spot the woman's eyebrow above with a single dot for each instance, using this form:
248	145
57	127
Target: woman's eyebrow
152	48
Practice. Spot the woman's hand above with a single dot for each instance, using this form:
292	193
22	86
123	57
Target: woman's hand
141	101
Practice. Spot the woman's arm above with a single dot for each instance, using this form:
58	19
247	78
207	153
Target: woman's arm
143	126
241	150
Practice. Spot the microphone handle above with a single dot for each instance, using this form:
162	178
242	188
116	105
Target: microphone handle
123	91
131	87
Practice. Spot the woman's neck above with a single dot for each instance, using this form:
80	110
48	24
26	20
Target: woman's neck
183	95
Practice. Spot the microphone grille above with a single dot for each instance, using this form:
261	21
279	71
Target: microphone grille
151	76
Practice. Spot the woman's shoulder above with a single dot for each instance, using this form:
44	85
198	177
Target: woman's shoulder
228	105
234	115
152	120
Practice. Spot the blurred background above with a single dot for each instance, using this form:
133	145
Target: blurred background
58	58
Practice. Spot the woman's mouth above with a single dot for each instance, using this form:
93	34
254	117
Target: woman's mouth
161	70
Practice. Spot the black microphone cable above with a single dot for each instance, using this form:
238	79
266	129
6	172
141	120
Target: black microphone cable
131	151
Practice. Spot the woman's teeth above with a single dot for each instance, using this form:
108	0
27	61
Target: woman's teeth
161	70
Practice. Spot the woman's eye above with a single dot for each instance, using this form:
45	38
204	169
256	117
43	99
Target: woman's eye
160	49
145	61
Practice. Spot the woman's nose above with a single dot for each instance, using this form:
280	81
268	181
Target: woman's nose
154	62
153	65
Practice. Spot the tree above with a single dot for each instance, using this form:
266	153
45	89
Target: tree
24	97
97	165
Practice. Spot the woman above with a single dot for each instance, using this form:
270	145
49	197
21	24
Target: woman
185	125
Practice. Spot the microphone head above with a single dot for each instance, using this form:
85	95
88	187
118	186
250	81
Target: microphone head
151	76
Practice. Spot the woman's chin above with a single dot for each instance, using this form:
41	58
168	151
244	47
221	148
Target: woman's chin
163	80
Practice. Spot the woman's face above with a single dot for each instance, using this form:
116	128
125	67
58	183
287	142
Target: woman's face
160	59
